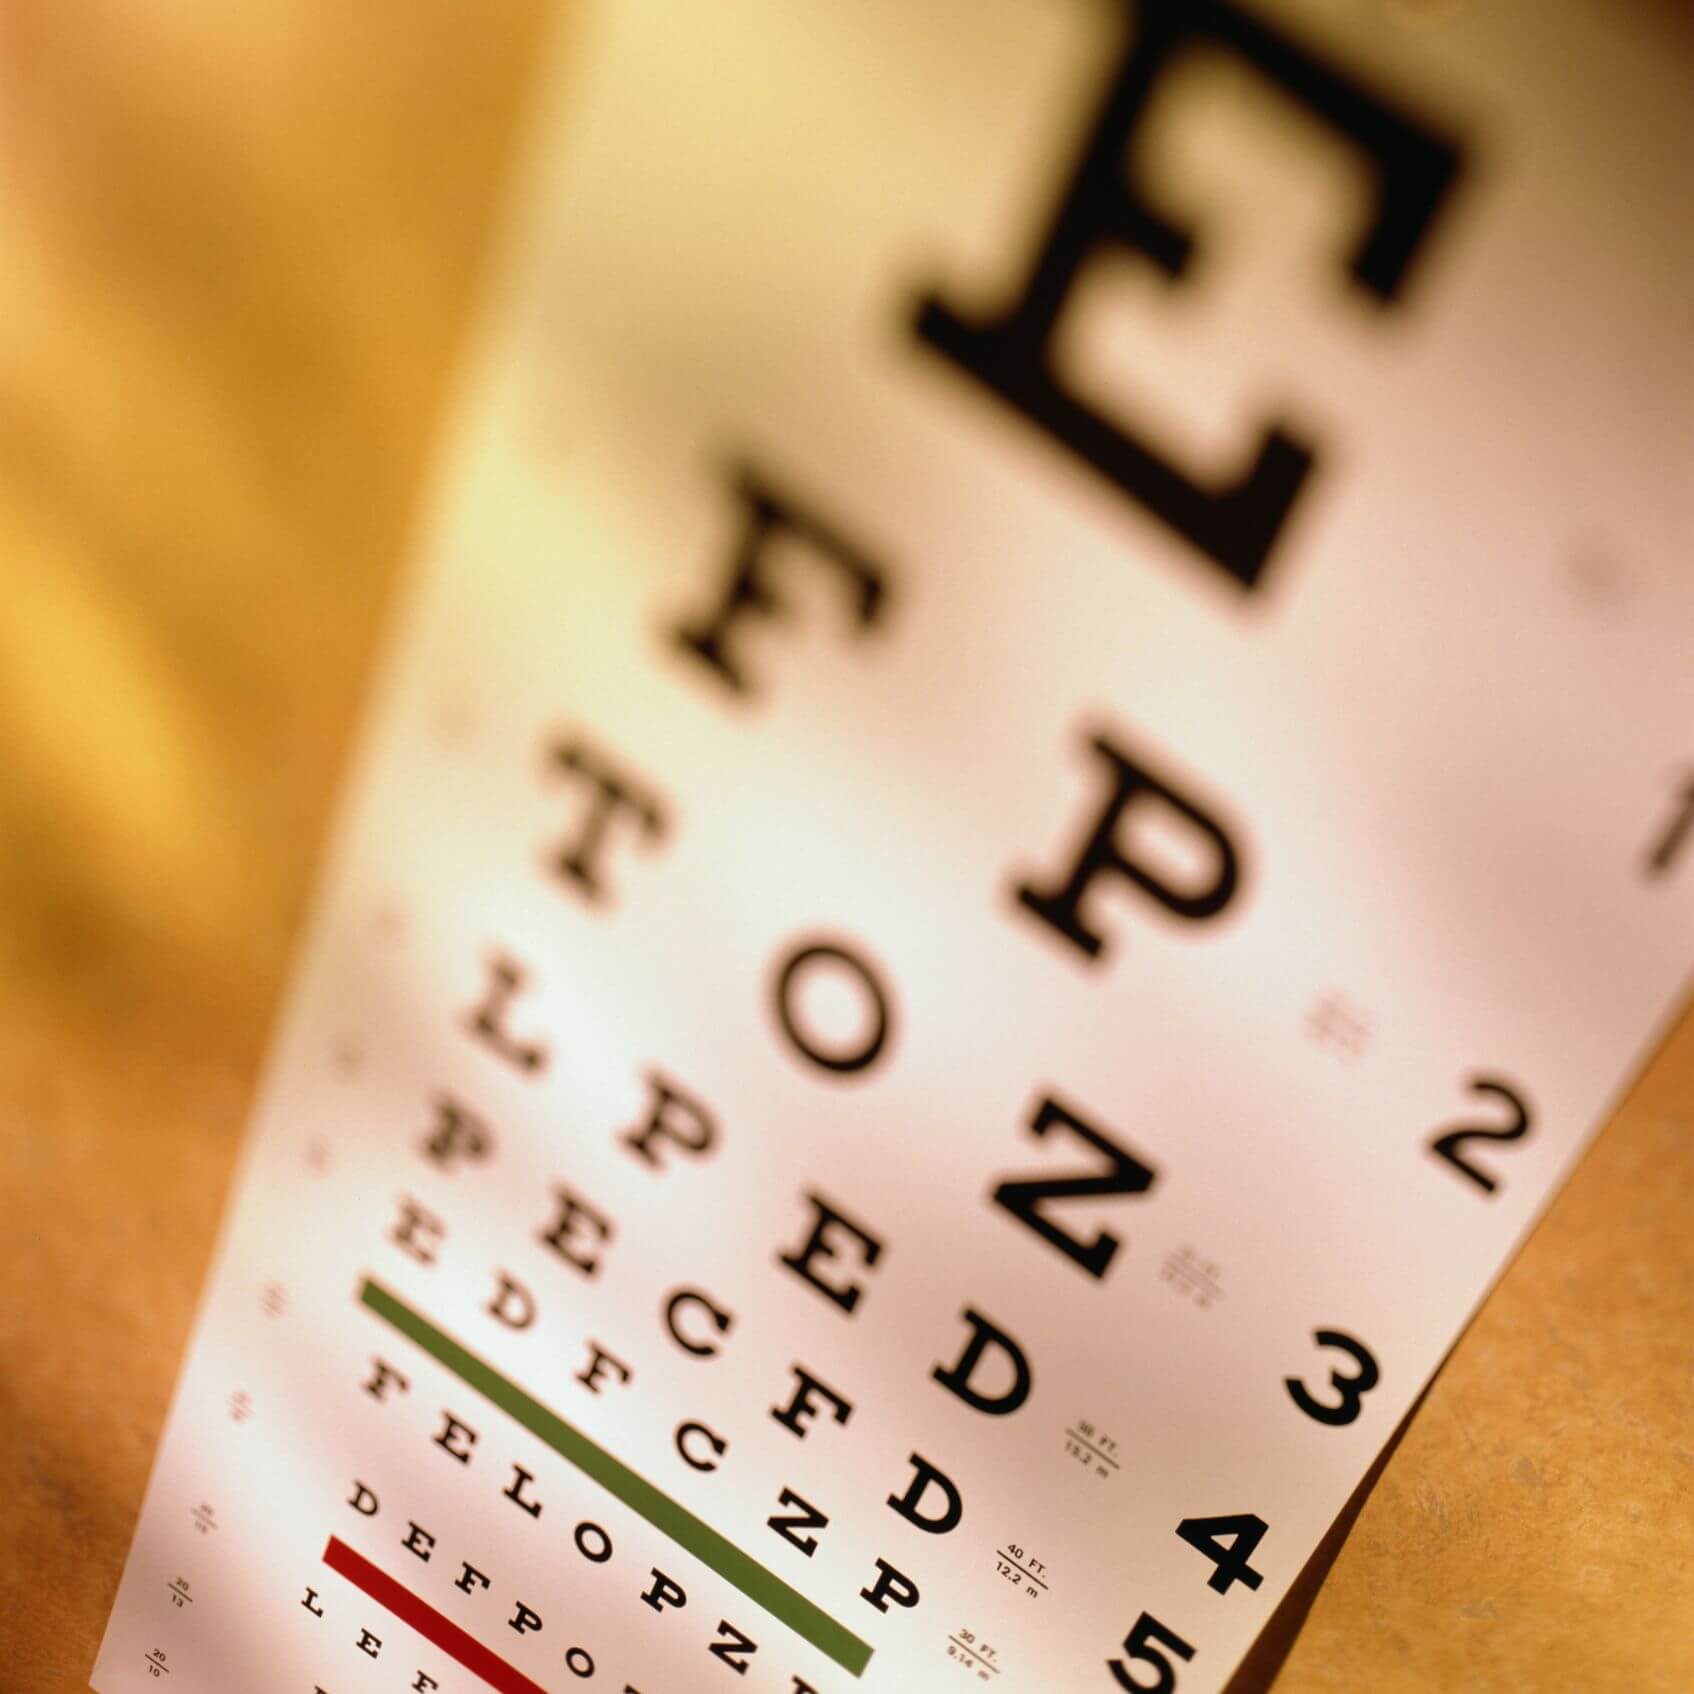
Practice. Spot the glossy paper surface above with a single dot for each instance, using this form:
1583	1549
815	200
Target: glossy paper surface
878	1093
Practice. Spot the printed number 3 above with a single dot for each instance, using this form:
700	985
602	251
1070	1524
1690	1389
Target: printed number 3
1136	1646
1352	1389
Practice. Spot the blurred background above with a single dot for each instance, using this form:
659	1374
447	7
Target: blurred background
237	245
238	248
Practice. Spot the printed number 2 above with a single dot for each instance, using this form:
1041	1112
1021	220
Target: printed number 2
1136	1646
1447	1146
1352	1389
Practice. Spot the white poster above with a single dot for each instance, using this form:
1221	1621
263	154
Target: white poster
1033	787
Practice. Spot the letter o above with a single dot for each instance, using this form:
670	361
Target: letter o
579	1663
856	1054
603	1551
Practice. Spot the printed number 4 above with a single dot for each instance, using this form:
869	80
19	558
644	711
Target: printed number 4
1245	1532
1137	1645
1144	1642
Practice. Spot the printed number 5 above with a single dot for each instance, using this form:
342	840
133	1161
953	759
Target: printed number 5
1352	1389
1135	1646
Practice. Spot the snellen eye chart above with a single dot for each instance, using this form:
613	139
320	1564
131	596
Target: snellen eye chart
1036	780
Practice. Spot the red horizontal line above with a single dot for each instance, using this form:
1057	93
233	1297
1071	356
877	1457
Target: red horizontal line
426	1620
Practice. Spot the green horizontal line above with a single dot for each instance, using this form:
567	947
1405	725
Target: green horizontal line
763	1587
